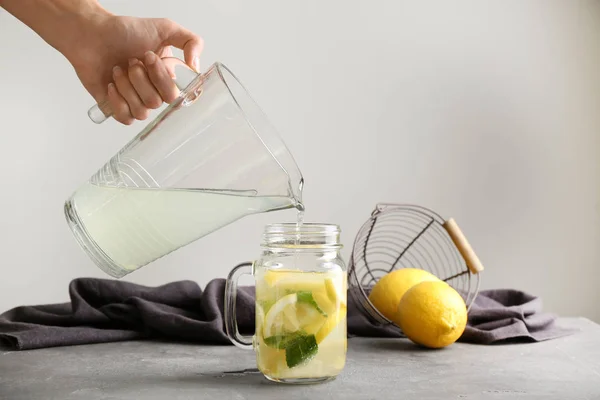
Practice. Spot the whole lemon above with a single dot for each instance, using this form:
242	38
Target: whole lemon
432	314
388	291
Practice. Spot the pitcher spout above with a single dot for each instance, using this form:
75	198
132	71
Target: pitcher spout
296	193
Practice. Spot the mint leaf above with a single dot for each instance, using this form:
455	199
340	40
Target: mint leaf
301	350
299	347
281	342
307	298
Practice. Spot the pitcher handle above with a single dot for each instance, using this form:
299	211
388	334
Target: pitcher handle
241	341
184	75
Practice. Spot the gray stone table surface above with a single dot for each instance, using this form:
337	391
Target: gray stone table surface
567	368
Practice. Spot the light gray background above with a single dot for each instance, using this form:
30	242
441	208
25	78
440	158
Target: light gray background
485	111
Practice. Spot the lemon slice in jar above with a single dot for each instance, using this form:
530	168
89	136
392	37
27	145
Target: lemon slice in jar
293	313
293	281
291	325
281	317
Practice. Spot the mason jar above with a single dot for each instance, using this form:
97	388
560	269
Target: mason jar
301	286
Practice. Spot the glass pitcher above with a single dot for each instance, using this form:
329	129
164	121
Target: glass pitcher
301	286
209	159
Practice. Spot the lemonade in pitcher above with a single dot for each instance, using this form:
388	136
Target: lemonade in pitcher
208	159
300	324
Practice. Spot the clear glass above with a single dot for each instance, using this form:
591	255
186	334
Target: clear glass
210	158
301	286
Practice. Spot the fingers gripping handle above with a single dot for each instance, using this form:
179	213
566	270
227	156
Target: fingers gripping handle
241	341
183	77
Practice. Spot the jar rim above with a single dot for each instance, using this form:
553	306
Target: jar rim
304	228
316	236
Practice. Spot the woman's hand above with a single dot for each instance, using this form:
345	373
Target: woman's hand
118	59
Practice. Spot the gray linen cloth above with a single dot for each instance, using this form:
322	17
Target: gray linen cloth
103	310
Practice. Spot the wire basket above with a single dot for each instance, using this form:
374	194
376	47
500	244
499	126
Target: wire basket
409	236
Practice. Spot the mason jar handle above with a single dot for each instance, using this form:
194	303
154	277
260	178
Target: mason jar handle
241	341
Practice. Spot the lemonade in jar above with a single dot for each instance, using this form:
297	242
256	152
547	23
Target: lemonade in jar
301	301
300	323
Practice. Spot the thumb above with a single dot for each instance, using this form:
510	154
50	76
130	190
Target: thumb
189	42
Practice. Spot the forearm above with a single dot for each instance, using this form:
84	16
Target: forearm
56	21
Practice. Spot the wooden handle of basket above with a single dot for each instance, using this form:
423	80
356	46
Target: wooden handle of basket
465	249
